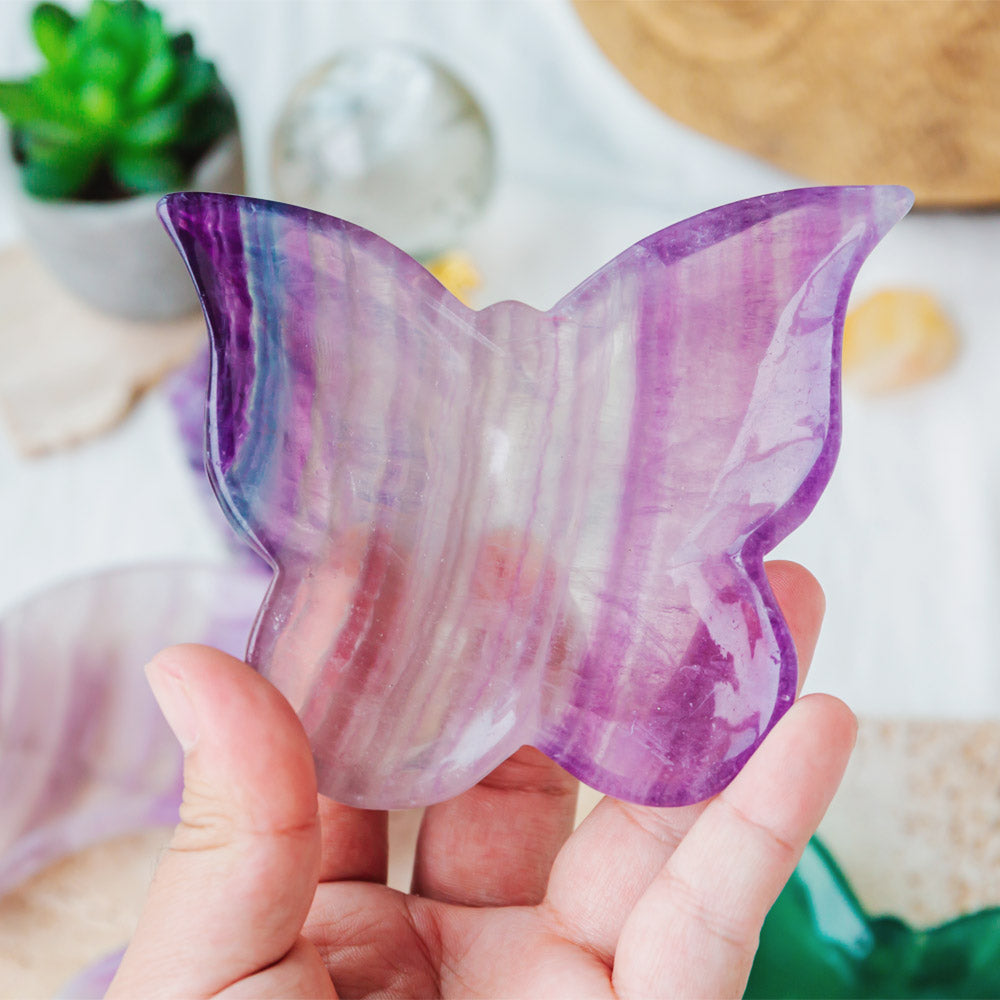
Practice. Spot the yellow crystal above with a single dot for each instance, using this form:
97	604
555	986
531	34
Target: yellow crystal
896	338
457	273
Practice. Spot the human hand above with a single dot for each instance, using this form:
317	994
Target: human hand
268	890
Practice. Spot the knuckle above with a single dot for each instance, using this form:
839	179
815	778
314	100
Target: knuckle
205	822
702	910
767	836
659	824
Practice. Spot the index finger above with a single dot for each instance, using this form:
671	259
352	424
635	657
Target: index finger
803	604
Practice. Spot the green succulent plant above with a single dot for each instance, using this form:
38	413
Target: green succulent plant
120	107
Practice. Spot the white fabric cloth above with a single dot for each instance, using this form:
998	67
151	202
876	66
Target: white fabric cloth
906	541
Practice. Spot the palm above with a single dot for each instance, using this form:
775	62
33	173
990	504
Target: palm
410	947
377	941
373	942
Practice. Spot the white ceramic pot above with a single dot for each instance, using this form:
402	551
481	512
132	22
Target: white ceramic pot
115	255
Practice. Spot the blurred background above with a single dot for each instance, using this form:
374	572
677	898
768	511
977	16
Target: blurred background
603	125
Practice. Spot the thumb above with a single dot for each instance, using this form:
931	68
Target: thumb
234	887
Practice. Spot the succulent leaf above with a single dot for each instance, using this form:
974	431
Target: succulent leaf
108	65
98	17
155	78
51	26
183	44
211	118
58	101
100	103
155	128
196	78
144	171
19	102
57	176
53	134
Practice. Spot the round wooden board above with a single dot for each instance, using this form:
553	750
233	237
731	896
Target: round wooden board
861	92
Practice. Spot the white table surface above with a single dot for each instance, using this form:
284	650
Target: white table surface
906	540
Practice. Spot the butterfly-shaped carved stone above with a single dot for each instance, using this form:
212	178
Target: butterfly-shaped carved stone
509	526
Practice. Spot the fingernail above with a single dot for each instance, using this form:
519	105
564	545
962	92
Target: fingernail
172	697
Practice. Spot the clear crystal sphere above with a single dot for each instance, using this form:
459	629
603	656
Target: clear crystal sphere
389	139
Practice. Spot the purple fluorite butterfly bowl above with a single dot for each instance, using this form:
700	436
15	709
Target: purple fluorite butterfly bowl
511	527
84	752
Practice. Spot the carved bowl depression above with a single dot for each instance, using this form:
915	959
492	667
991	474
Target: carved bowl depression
504	527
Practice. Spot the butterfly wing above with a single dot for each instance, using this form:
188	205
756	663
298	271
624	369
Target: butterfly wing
717	437
345	442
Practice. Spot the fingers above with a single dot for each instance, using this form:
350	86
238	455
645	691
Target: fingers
695	929
231	894
494	844
802	603
607	865
355	843
620	848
